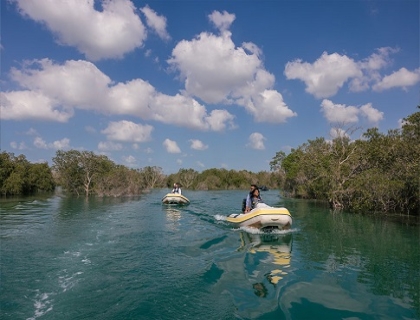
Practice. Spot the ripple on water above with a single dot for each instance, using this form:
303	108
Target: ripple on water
121	259
42	303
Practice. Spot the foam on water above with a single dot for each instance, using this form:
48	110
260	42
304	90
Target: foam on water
42	304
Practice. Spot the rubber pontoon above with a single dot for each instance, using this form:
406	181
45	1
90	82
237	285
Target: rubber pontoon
263	216
175	198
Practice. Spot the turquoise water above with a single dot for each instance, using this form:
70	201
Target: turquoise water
133	258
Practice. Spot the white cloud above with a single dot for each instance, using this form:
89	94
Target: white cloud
379	59
252	48
256	141
20	146
329	72
340	113
40	143
56	145
22	105
402	78
171	146
60	144
127	131
109	146
197	145
90	129
56	90
371	67
212	67
74	83
186	112
373	115
325	76
219	120
222	20
200	164
110	33
156	22
216	71
129	160
32	132
270	107
338	133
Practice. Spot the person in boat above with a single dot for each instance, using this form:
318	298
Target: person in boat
248	201
255	198
177	188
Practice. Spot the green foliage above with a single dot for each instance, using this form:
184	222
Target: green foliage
40	178
152	176
70	174
187	177
380	172
14	184
83	172
119	181
276	163
376	173
19	177
88	173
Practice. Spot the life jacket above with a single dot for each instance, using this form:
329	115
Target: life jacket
243	205
255	201
252	205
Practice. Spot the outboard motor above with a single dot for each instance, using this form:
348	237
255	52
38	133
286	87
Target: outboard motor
243	205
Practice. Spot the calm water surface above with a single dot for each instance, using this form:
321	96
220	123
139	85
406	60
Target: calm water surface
133	258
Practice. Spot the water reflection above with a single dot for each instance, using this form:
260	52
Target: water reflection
274	252
172	214
256	273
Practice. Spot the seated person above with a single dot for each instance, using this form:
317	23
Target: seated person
248	203
177	188
255	198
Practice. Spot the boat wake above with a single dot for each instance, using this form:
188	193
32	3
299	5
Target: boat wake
251	230
273	231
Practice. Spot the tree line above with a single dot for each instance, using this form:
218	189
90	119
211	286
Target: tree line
379	172
20	177
86	173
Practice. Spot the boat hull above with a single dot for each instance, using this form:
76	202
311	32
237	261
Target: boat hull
175	198
260	218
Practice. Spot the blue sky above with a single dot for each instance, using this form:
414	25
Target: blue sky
202	84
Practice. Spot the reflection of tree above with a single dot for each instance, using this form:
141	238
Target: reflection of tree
385	253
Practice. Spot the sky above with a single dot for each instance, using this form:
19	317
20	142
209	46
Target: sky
202	84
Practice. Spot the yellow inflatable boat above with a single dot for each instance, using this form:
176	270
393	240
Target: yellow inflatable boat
263	216
175	198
